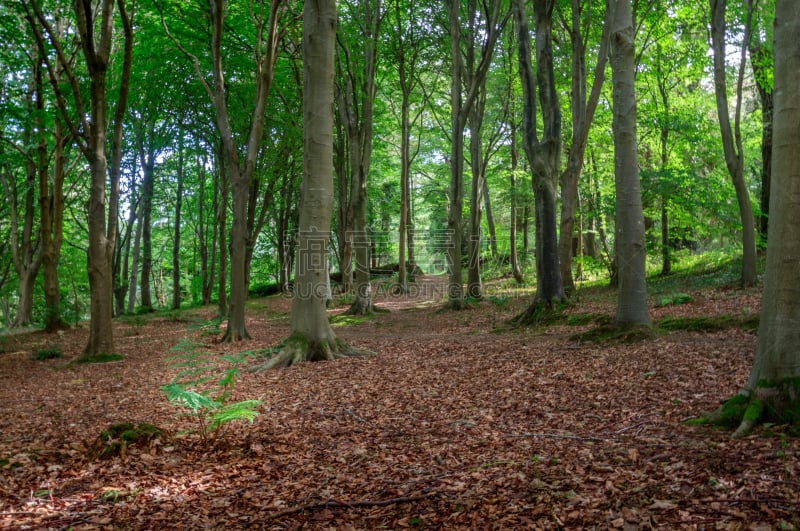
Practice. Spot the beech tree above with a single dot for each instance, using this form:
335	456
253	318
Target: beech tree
732	135
356	99
772	392
312	338
460	108
96	32
629	233
544	155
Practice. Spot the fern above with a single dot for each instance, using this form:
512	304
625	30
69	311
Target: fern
208	404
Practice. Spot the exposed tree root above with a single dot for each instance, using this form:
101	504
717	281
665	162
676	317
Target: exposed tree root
454	305
362	307
298	349
538	312
770	402
232	336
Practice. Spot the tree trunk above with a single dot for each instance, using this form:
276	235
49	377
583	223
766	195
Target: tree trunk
147	162
761	60
176	241
222	231
460	111
312	338
515	269
629	240
132	283
543	156
582	116
51	211
474	284
772	392
732	140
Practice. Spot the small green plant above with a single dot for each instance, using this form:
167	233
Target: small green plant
47	353
199	389
673	300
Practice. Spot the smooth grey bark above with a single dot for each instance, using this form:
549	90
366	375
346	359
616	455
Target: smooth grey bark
629	234
774	381
312	338
732	136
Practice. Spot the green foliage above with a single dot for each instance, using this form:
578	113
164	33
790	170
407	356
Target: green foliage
673	300
47	353
199	389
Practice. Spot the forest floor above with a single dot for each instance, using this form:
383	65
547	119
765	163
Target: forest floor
456	422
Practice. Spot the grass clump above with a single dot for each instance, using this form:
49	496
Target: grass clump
673	300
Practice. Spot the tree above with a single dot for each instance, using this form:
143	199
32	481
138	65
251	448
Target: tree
629	233
265	18
95	25
543	155
460	108
732	137
760	48
772	391
583	109
312	338
356	109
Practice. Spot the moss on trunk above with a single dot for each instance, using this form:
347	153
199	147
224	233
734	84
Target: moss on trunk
772	402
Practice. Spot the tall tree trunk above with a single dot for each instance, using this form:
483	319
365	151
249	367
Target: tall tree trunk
582	116
176	240
543	156
25	254
201	231
515	269
629	240
312	338
490	226
356	107
147	161
761	59
133	281
222	231
474	283
732	139
460	108
51	208
772	392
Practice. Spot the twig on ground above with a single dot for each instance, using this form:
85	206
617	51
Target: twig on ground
350	505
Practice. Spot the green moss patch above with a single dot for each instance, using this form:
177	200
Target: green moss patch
616	335
116	439
698	324
350	320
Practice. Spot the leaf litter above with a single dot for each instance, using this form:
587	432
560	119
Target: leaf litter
451	425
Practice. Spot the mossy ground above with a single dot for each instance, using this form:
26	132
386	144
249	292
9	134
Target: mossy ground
116	439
